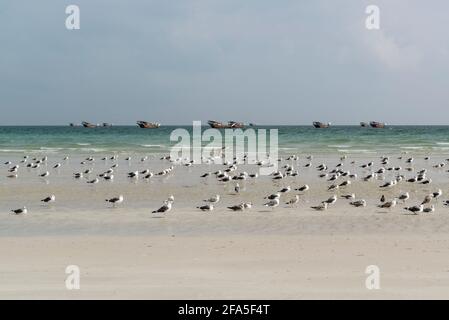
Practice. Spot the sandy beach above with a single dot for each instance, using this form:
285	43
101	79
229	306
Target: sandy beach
233	267
287	252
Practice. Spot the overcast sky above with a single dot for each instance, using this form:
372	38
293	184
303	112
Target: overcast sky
268	62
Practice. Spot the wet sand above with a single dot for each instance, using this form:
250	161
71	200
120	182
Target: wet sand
290	253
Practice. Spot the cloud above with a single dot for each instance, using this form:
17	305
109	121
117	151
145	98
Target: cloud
390	53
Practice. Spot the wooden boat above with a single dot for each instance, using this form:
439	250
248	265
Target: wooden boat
375	124
88	124
229	125
364	124
317	124
148	125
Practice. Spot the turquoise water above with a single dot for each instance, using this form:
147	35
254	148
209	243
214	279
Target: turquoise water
337	139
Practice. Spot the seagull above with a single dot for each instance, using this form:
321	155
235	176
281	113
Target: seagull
45	174
247	205
303	188
389	204
56	166
349	196
293	201
166	207
272	203
331	200
389	184
427	199
404	197
345	183
321	207
415	209
94	181
358	203
134	174
428	181
207	207
437	194
273	196
20	211
238	207
237	188
49	199
110	177
115	200
382	199
429	210
214	199
285	190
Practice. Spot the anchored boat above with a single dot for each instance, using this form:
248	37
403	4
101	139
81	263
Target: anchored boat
148	125
317	124
375	124
88	124
229	125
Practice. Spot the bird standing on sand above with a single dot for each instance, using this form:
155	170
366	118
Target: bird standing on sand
437	194
415	209
22	210
94	181
389	204
358	203
116	200
303	188
293	201
331	200
427	199
166	207
45	174
321	207
348	196
214	199
49	199
237	188
207	207
404	197
272	203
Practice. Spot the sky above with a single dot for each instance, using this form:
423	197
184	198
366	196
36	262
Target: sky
266	62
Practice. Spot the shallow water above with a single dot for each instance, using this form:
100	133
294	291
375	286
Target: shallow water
292	139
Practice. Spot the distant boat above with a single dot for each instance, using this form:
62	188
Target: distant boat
88	124
375	124
317	124
364	124
105	124
148	125
229	125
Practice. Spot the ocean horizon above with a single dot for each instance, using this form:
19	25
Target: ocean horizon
292	139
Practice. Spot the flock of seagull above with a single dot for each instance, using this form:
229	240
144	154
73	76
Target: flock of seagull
336	177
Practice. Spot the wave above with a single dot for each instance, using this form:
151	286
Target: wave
356	151
442	143
151	145
339	146
82	144
413	148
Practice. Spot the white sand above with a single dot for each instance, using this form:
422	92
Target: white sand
233	267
